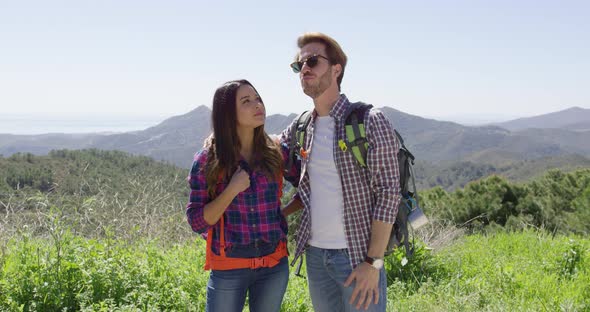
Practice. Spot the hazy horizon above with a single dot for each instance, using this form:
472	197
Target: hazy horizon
44	123
71	123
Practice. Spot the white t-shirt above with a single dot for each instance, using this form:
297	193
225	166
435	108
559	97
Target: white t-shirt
326	200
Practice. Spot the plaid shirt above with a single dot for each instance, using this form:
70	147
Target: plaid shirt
253	216
369	194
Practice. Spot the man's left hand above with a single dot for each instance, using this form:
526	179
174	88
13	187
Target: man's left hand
367	285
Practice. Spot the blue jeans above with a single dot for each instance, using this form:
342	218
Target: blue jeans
226	290
327	270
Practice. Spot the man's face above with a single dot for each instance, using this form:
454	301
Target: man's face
316	80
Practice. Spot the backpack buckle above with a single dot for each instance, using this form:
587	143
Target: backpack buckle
303	153
258	262
342	145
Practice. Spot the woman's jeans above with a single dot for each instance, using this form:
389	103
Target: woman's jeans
227	290
327	270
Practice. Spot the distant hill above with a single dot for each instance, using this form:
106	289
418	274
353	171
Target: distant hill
176	139
41	144
89	172
451	176
441	141
275	124
579	126
574	118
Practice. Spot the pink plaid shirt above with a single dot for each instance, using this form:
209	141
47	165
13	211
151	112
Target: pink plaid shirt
371	193
253	216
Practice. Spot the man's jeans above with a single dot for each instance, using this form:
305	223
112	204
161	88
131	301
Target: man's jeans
226	290
327	270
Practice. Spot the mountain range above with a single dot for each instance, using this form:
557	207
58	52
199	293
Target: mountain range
176	139
574	118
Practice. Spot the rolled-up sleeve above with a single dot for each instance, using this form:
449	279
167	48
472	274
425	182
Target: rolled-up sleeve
198	197
383	166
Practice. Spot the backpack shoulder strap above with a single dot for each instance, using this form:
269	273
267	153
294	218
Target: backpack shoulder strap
298	132
360	108
301	130
403	146
355	131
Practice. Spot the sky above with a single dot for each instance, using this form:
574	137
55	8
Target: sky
478	60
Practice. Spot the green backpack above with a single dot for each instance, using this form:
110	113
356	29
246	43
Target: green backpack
356	142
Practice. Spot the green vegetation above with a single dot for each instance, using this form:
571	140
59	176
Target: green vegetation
105	231
93	192
507	271
519	271
68	272
557	202
84	172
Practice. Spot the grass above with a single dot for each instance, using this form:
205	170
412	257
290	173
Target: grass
71	273
525	271
127	247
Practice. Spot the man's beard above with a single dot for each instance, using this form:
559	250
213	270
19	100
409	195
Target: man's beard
315	91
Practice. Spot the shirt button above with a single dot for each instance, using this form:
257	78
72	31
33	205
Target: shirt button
251	209
253	225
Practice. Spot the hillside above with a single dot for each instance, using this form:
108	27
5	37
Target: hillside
118	185
444	142
555	201
117	239
575	118
451	176
83	172
439	142
95	192
175	140
43	143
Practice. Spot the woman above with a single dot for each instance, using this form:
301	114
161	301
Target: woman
235	199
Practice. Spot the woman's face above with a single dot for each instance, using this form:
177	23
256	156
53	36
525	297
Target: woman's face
249	108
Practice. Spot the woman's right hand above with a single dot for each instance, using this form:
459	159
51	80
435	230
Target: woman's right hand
240	181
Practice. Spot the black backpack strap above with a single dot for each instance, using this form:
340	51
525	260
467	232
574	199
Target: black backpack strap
409	200
406	171
303	123
400	233
403	146
298	269
298	134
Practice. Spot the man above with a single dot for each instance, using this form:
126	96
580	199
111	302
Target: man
348	211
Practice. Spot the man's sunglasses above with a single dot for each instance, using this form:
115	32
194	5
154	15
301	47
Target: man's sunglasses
311	61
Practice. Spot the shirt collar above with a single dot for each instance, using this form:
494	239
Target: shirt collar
339	109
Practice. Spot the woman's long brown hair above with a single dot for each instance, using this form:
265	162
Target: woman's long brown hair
224	145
